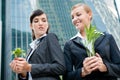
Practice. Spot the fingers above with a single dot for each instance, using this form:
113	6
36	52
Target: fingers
94	63
101	66
18	65
20	59
19	70
98	55
90	60
23	65
90	64
13	65
21	62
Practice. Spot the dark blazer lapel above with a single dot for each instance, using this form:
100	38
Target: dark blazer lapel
28	53
98	41
32	51
78	41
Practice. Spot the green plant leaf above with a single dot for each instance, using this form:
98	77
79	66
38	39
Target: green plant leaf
18	52
91	35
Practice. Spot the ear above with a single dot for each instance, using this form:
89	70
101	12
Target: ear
90	15
31	26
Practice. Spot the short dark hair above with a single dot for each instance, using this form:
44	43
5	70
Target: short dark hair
35	13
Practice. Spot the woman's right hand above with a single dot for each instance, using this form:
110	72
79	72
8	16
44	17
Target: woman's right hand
13	65
89	65
22	65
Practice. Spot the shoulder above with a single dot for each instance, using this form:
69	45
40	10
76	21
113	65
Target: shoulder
70	42
73	37
108	35
77	35
51	35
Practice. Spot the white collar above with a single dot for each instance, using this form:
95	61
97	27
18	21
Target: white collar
33	43
77	35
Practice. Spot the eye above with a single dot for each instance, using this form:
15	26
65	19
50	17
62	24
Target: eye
35	20
72	17
78	14
44	20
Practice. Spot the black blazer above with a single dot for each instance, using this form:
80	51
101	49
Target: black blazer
75	53
48	59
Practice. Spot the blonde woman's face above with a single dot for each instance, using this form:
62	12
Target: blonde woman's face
39	25
80	18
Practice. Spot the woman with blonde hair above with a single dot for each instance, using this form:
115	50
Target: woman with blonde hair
104	65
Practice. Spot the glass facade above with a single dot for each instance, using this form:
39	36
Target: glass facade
58	12
15	31
0	44
0	37
107	12
117	6
20	12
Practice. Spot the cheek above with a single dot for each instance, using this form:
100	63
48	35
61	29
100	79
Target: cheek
46	29
87	22
46	26
88	18
35	28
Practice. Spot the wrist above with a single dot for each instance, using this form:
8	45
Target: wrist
104	68
23	75
29	68
83	74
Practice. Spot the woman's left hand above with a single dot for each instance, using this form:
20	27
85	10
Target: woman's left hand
22	65
13	65
100	65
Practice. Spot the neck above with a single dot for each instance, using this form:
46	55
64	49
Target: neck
38	36
83	34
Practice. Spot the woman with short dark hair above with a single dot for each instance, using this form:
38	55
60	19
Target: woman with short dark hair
45	61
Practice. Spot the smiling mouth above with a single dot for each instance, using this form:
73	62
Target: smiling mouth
41	28
78	22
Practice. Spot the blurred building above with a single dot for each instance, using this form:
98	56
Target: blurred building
105	16
108	11
0	37
15	31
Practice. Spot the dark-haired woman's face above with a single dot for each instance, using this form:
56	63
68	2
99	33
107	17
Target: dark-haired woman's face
39	25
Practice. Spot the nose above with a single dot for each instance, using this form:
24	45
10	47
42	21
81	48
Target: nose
40	22
74	20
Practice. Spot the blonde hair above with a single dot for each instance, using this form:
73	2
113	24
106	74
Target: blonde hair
85	7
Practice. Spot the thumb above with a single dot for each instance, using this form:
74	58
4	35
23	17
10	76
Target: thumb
98	55
20	59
